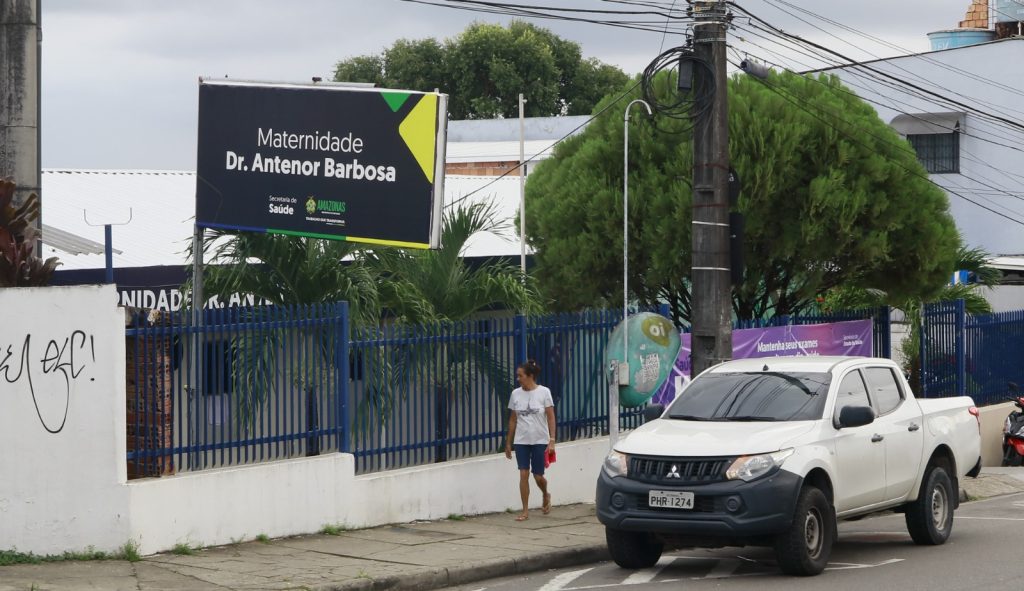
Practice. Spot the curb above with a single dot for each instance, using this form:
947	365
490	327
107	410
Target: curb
429	578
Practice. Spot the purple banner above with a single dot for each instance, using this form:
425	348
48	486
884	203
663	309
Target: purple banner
838	338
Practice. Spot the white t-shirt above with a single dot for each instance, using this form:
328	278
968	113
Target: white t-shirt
531	420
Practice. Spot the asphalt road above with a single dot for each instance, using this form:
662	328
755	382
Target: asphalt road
985	551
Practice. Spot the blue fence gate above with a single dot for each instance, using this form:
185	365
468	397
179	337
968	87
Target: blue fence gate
970	355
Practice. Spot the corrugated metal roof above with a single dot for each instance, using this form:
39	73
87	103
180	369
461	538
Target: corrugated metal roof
161	205
72	244
497	151
500	130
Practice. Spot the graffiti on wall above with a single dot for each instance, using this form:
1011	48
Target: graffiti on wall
50	369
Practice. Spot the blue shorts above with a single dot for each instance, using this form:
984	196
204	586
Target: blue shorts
531	454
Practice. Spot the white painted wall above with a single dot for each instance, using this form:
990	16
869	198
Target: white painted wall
302	495
62	420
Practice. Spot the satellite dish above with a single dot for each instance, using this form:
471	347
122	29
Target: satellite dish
653	346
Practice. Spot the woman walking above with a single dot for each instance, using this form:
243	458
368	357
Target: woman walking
531	431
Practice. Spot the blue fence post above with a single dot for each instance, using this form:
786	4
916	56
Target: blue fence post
341	362
922	348
663	309
521	336
961	348
883	324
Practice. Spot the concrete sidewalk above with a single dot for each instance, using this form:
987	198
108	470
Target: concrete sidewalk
410	557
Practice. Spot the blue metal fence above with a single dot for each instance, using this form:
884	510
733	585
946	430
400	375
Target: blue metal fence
430	393
264	383
242	385
970	355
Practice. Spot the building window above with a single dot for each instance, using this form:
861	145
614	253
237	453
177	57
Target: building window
939	153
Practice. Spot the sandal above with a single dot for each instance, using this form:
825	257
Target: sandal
547	504
522	517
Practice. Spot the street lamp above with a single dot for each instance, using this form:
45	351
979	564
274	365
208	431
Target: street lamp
622	370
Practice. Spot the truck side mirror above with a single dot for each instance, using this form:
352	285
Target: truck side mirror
653	411
856	416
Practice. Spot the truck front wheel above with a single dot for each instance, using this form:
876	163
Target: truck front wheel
631	549
805	547
930	517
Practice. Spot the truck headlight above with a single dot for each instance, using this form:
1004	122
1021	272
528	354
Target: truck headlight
616	464
749	468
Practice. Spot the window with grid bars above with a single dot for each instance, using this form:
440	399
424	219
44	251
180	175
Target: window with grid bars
939	153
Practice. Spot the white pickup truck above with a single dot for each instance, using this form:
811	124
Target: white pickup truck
774	451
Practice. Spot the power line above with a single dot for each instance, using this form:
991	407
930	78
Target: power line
907	53
804	107
851	63
892	107
650	26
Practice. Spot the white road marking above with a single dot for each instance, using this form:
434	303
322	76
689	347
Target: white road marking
647	575
851	566
725	568
991	518
558	583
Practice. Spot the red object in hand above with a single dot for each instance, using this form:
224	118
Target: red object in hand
549	457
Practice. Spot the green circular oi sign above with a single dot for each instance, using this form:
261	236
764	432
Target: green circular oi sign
653	347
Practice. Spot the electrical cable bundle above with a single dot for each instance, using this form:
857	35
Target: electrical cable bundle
685	104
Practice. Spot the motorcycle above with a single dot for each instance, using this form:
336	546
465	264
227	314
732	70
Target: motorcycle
1013	431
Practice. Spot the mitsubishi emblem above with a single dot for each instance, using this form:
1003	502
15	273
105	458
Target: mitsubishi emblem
673	472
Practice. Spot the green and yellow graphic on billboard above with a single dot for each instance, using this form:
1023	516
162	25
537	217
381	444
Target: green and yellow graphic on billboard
325	161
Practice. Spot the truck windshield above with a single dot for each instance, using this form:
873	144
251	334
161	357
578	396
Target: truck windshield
755	396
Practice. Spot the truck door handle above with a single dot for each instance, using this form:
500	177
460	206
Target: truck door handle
877	438
913	427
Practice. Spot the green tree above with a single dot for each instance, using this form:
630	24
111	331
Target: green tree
484	69
832	197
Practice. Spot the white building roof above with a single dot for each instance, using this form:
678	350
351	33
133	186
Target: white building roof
498	151
499	130
159	208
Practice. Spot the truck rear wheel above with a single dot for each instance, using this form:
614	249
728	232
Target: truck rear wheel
804	549
930	517
632	549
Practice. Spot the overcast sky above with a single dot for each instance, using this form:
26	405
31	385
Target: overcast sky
120	76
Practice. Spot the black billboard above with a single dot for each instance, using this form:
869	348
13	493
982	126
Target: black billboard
325	161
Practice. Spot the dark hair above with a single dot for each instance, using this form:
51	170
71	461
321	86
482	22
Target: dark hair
530	368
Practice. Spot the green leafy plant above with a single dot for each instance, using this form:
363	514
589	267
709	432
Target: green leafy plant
183	549
130	551
332	530
8	557
456	517
263	539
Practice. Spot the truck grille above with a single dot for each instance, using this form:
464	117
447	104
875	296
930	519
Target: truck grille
678	471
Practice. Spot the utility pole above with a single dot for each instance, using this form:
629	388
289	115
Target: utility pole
711	296
20	58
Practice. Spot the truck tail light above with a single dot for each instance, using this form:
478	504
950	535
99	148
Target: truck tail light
977	416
